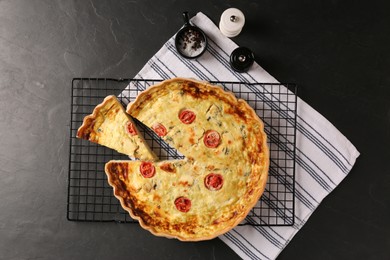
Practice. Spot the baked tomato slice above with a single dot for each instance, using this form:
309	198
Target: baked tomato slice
159	129
130	128
183	204
147	169
187	116
213	181
211	139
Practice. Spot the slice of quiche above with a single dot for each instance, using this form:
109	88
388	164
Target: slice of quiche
109	125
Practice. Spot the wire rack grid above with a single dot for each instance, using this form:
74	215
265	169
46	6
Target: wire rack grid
90	198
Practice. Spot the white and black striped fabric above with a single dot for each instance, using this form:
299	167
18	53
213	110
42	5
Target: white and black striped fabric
323	155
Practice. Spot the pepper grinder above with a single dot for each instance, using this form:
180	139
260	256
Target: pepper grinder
242	59
231	23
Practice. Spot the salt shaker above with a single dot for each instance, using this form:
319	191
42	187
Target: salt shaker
231	23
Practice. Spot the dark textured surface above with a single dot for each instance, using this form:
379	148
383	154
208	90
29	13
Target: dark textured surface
337	51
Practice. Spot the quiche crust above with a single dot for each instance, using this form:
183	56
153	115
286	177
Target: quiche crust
222	137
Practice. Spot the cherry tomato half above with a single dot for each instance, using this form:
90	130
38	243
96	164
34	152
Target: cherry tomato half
147	169
211	138
187	116
131	129
213	181
183	204
159	129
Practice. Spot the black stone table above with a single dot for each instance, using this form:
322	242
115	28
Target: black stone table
336	51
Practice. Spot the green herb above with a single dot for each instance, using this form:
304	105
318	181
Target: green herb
243	131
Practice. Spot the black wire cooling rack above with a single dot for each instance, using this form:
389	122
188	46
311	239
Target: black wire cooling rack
90	198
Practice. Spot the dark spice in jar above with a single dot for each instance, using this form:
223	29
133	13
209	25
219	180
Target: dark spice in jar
194	37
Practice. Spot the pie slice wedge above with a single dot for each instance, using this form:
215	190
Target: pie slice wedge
110	126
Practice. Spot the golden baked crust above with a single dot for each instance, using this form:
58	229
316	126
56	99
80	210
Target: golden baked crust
109	125
224	172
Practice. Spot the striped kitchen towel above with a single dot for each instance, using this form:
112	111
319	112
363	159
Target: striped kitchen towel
323	155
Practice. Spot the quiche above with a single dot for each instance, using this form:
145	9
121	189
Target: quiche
109	125
224	171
